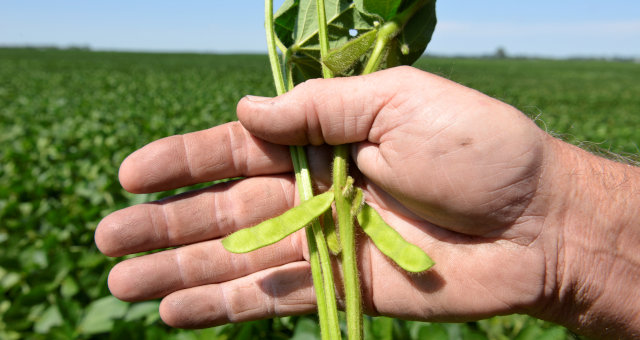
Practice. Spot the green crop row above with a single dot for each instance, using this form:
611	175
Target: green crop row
68	118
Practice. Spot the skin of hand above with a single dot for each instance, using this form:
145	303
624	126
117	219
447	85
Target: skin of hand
516	221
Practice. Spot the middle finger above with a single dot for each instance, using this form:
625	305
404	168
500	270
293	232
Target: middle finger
156	275
196	216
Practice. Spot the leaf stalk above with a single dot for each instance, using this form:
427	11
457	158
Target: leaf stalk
388	31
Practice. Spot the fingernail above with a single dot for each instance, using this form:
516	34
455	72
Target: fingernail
257	98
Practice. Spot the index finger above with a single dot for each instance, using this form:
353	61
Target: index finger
224	151
339	110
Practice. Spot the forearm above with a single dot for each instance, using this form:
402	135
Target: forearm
597	220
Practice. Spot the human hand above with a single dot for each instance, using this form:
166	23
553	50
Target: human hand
467	178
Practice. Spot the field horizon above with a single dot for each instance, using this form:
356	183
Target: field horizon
497	54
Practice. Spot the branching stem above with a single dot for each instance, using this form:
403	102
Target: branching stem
343	208
387	32
318	251
348	241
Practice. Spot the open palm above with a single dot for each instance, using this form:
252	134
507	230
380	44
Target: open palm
457	173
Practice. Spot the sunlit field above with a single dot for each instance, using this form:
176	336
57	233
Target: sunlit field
69	117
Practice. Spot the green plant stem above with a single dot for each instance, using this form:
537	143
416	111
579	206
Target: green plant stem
274	60
343	208
347	239
389	31
343	204
322	277
323	36
314	257
325	259
385	34
315	232
288	69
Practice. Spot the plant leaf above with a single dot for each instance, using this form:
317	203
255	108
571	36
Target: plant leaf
297	28
306	329
385	9
408	256
306	27
433	331
296	23
382	328
50	318
414	37
142	310
277	228
69	287
285	21
101	314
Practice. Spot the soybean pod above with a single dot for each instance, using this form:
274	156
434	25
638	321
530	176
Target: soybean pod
408	256
357	202
277	228
330	230
340	60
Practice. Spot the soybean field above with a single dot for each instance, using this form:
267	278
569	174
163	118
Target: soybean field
69	117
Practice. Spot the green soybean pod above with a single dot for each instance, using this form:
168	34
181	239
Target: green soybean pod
330	231
277	228
408	256
357	202
340	60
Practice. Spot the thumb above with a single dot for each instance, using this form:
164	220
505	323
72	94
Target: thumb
332	111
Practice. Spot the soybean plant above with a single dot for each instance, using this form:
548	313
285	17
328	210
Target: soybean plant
327	38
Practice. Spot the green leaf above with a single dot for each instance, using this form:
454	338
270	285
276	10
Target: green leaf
555	333
382	328
9	279
306	329
473	334
408	256
296	27
100	315
412	41
306	27
142	310
277	228
343	58
433	331
285	21
69	287
385	9
245	332
530	332
49	319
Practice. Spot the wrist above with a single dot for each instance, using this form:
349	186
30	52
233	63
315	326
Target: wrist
594	290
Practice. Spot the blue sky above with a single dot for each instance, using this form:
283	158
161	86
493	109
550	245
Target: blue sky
553	28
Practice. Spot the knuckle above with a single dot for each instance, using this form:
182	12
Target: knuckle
404	71
309	85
